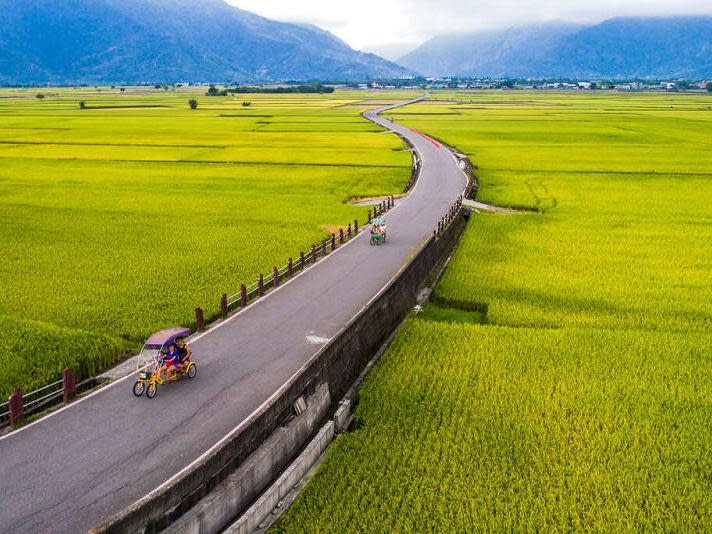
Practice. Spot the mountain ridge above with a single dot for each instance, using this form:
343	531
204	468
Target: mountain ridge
137	41
621	47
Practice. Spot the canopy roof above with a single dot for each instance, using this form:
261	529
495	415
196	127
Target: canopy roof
163	337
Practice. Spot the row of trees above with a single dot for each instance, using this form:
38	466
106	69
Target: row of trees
315	88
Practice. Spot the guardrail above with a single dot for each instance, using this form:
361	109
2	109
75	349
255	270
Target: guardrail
20	405
295	265
449	217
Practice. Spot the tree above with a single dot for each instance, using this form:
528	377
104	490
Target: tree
594	86
82	105
246	104
122	89
709	87
214	91
39	96
193	103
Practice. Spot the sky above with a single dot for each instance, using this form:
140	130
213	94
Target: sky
394	27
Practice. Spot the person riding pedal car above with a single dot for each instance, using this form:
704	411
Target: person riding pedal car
184	352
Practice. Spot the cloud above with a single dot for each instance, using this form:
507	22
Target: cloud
398	24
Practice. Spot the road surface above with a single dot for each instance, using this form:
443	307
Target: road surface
72	469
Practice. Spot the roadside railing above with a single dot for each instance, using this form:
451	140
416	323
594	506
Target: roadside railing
296	264
21	405
450	216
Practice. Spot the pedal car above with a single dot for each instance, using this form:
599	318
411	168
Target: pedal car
155	364
378	231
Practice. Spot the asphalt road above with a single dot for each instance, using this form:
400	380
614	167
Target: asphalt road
72	469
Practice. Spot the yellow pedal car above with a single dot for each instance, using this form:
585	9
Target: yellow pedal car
152	369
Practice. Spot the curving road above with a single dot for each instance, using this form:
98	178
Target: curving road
70	470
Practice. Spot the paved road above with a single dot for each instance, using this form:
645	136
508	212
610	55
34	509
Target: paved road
71	470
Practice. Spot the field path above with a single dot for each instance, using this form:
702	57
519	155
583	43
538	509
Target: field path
70	470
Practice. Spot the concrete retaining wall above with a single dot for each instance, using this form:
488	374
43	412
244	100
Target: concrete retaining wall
264	506
236	492
337	365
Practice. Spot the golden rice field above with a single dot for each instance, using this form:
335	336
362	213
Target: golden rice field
582	398
119	219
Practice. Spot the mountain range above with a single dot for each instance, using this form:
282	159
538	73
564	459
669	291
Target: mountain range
146	41
628	47
136	41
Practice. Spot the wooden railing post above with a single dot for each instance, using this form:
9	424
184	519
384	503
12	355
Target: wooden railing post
341	236
16	407
289	268
275	277
69	385
355	226
261	285
301	261
243	295
313	253
333	242
199	319
369	215
223	306
323	247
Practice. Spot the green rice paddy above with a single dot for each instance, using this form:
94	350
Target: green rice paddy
582	399
119	219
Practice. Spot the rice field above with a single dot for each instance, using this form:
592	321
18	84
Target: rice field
120	218
578	395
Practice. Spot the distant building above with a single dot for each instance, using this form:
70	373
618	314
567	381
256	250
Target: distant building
584	85
703	85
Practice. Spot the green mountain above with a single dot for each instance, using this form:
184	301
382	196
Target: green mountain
674	47
125	41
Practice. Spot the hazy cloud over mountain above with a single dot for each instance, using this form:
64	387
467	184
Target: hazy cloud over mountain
378	25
